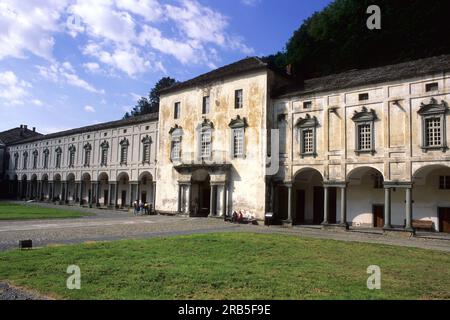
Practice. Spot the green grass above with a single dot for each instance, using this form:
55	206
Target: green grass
17	211
230	266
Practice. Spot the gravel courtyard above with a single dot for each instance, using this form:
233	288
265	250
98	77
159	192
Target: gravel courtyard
107	225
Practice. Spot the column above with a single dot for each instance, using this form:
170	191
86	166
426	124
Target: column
52	190
180	188
81	193
211	202
154	196
28	189
344	207
110	194
98	193
325	205
387	208
188	198
408	212
38	196
116	194
92	193
138	195
289	213
64	191
224	200
130	202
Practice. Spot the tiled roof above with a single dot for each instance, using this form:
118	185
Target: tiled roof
355	78
17	134
233	69
96	127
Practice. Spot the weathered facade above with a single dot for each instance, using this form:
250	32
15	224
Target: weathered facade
365	148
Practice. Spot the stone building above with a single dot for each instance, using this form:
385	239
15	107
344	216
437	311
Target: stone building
364	148
110	164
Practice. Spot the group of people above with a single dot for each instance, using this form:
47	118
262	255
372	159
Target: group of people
240	217
141	208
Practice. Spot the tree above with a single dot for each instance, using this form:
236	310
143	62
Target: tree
337	38
151	104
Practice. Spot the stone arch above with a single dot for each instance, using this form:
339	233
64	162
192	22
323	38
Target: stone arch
146	191
361	170
420	174
123	189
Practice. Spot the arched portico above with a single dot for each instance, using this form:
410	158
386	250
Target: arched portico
146	188
34	187
123	196
45	187
69	188
85	189
57	188
200	193
431	196
103	193
23	187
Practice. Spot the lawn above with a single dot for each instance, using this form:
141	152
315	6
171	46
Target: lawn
230	266
17	211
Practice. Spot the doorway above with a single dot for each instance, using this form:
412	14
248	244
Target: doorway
444	220
123	198
105	197
144	196
378	216
318	205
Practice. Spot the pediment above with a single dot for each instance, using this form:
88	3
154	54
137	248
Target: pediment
433	107
307	121
364	115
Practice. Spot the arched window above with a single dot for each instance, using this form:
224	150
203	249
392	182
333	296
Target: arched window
72	151
306	129
238	126
35	159
25	160
87	154
175	147
146	149
58	157
124	150
46	157
104	147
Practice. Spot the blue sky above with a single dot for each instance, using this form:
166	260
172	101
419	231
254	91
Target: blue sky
70	63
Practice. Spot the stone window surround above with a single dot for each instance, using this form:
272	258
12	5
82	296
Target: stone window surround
203	127
124	143
238	124
306	124
431	110
72	154
146	142
365	117
87	154
176	137
104	146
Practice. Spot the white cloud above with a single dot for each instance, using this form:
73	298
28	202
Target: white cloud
150	10
251	3
28	27
92	67
65	73
37	102
13	90
89	109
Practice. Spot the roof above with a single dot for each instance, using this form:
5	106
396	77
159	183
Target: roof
95	127
355	78
242	66
17	134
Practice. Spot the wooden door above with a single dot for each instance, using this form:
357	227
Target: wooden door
378	216
332	197
300	207
444	220
318	205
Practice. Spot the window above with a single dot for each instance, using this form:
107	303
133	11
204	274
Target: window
58	157
175	150
307	135
124	151
444	182
46	157
146	147
35	159
431	87
176	110
364	127
205	143
25	160
205	105
363	96
433	132
282	130
104	153
238	99
307	105
16	161
238	126
87	154
364	137
72	156
433	125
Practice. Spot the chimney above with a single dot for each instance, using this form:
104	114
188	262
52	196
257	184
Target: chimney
289	69
34	129
21	126
25	127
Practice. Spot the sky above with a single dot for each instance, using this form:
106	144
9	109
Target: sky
71	63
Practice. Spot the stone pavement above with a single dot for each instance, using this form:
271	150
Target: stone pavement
114	225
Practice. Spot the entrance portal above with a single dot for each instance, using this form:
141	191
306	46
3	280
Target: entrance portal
444	220
201	194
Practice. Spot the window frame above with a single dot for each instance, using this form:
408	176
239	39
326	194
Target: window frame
87	154
72	156
104	147
363	118
433	110
239	99
444	182
238	125
123	151
203	129
303	125
206	105
25	161
35	159
146	142
177	110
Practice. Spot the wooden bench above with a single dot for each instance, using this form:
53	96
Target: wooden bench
423	225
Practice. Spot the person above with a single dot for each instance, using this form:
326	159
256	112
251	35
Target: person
136	209
240	218
234	217
141	207
146	208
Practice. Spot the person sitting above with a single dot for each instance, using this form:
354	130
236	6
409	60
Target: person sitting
234	217
240	217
